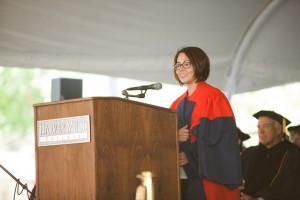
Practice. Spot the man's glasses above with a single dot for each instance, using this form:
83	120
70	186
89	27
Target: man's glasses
184	65
264	126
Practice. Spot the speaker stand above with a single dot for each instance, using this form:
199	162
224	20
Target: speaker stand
24	186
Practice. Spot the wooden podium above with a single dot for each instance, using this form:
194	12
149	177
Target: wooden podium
126	138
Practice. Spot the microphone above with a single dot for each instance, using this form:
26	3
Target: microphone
154	86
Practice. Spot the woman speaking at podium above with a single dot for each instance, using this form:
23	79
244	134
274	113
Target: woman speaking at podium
209	152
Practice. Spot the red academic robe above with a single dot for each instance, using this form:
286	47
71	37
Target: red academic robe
214	167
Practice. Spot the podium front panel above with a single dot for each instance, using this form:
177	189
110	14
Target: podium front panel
127	138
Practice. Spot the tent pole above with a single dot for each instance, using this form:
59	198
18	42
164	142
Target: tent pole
245	43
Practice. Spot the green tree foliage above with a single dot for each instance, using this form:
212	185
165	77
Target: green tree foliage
18	93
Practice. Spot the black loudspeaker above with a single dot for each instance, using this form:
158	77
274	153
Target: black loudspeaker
65	88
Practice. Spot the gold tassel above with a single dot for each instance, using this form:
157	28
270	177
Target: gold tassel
283	125
284	129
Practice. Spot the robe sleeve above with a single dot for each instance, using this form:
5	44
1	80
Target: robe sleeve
217	142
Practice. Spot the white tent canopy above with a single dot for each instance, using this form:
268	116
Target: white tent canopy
252	44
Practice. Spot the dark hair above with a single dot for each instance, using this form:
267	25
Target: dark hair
199	60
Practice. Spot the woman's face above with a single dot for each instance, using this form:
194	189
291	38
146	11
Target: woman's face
185	74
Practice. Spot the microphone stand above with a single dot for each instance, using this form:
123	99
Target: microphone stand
141	95
18	181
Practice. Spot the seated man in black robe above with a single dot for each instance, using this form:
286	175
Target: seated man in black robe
295	134
271	170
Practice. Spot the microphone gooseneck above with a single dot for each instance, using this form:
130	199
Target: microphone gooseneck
143	89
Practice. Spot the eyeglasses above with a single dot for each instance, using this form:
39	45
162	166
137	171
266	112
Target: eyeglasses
183	65
264	126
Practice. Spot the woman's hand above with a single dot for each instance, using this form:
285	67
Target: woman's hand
247	197
182	159
183	134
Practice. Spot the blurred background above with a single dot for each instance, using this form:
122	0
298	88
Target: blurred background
21	88
112	45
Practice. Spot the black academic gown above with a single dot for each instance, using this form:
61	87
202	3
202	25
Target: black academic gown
273	174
